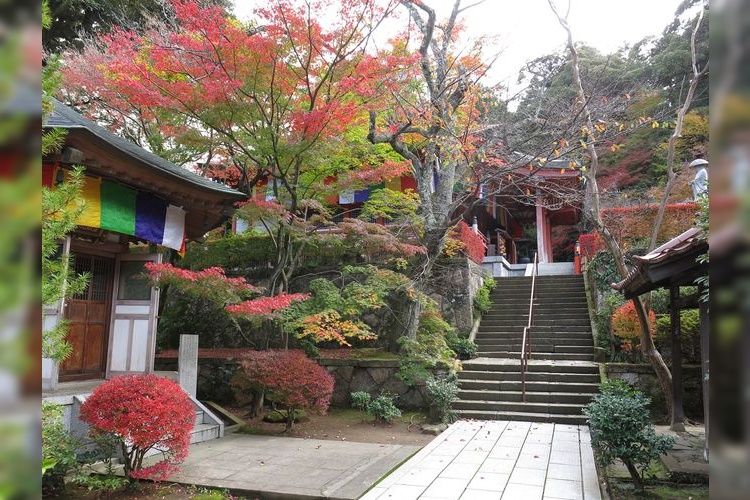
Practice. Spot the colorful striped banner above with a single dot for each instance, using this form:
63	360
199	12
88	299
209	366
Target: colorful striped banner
124	210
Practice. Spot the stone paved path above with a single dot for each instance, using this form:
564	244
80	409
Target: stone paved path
479	460
273	467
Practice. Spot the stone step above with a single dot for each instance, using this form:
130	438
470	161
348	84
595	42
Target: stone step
531	386
535	355
536	348
543	321
535	365
557	332
582	322
502	406
523	417
204	432
583	340
523	294
576	398
556	377
538	314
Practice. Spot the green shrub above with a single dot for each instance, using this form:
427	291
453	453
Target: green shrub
383	408
620	429
360	400
441	393
690	326
482	302
462	346
660	301
603	319
58	448
430	349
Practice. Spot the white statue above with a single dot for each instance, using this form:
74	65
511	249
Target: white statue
700	181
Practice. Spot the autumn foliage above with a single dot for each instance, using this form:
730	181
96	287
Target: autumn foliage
463	239
290	379
144	412
626	327
213	285
630	224
265	305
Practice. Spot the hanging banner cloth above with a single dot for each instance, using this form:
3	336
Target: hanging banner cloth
121	209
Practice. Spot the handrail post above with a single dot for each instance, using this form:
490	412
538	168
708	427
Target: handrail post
526	340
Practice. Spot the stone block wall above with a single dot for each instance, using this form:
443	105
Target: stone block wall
374	377
350	375
642	376
454	285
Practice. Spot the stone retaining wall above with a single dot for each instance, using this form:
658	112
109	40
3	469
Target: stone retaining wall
453	285
350	375
642	376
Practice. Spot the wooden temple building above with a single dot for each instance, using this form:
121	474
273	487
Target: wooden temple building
139	207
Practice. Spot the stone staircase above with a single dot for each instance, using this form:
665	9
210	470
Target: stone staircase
561	376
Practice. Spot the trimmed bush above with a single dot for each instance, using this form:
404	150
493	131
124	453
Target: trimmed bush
621	429
383	408
441	393
143	412
360	400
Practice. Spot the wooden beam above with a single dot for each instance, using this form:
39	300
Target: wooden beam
678	412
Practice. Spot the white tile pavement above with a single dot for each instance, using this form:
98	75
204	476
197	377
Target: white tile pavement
498	460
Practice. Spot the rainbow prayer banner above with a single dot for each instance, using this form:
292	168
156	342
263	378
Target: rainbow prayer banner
118	208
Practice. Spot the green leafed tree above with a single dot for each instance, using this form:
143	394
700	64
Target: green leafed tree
60	208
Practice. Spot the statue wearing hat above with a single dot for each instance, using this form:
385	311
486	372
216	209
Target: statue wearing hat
700	181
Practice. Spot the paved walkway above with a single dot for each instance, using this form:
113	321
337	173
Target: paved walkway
479	460
281	467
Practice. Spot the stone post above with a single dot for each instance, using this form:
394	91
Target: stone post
187	363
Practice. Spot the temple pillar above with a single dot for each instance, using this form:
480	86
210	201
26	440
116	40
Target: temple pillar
543	233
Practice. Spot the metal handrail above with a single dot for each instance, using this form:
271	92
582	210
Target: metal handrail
526	341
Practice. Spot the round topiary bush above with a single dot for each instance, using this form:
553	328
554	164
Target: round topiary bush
144	412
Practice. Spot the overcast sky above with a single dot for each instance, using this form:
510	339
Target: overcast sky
526	29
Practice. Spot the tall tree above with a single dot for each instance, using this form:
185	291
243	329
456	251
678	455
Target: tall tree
76	20
589	141
433	123
696	76
265	99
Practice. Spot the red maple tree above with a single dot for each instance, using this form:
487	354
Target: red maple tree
291	380
144	412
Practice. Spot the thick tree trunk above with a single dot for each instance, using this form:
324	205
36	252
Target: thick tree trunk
411	313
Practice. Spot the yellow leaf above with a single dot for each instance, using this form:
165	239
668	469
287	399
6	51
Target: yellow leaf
621	127
557	153
572	164
562	170
613	148
655	125
583	169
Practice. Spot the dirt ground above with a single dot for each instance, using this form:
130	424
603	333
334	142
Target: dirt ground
346	425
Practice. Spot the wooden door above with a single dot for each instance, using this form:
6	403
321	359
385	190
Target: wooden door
134	308
87	314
